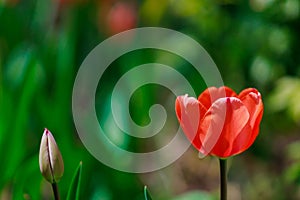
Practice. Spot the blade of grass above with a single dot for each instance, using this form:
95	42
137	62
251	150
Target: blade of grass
26	181
16	132
147	194
74	188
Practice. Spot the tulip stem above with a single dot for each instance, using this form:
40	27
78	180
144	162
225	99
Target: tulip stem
223	179
55	191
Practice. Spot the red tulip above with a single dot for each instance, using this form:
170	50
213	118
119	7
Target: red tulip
121	17
220	122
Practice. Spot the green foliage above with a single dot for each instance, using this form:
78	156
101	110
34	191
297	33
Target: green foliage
42	45
147	194
74	188
285	97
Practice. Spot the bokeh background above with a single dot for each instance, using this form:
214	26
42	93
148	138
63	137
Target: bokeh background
254	43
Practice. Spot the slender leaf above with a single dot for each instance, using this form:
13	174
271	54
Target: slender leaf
147	194
23	88
27	179
74	188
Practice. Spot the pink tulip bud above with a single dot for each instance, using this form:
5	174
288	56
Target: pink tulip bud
50	159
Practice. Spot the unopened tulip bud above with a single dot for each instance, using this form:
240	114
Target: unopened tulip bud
50	159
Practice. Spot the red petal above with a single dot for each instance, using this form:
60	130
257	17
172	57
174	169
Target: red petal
188	111
251	98
221	125
240	143
211	94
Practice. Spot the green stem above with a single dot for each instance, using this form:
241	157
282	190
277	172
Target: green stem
223	179
55	191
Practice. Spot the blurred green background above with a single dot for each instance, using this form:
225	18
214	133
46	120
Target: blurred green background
254	43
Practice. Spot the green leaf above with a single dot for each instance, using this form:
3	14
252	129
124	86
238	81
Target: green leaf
27	180
74	188
147	194
21	86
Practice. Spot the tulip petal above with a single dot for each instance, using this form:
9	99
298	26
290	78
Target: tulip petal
50	159
211	94
44	159
189	112
251	98
56	161
222	123
240	143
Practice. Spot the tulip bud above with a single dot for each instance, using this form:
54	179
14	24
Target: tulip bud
50	159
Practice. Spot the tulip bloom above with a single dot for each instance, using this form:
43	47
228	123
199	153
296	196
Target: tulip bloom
220	122
50	159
